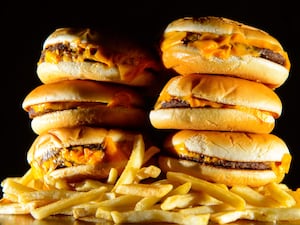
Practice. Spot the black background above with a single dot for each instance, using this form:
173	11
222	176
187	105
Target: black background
25	27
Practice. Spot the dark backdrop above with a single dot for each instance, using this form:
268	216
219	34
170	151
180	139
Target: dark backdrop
25	27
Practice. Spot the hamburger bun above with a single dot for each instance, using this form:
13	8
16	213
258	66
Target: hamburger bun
231	158
225	103
73	154
83	53
81	102
217	45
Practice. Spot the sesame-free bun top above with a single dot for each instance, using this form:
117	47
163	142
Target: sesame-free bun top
82	91
220	45
81	102
232	158
84	53
206	102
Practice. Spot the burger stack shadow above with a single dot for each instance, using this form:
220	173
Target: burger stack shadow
219	108
89	108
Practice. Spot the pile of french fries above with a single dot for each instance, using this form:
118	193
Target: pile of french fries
141	194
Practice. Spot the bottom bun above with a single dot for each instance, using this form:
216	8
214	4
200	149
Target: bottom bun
77	173
211	119
185	60
229	177
93	116
50	73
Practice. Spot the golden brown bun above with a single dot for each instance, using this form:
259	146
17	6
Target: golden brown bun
210	119
83	91
115	117
186	57
216	103
81	172
96	55
229	146
81	102
229	177
48	156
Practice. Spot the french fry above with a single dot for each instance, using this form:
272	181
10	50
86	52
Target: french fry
231	216
162	181
156	215
84	210
104	214
17	208
280	195
10	197
210	188
276	214
134	163
206	199
15	179
178	201
253	197
258	214
149	153
112	176
39	185
11	186
46	195
188	200
90	184
146	203
180	190
27	177
147	172
58	206
144	190
109	204
52	183
203	209
123	200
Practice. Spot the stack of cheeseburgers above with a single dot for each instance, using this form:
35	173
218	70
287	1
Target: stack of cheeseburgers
88	109
102	98
221	106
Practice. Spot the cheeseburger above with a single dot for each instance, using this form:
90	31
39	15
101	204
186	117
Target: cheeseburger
73	154
216	45
72	103
224	103
83	53
231	158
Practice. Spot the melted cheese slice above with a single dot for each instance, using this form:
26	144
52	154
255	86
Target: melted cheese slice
201	103
283	167
129	66
42	108
79	53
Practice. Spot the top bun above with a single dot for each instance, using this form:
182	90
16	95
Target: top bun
82	53
83	91
230	158
231	146
219	45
